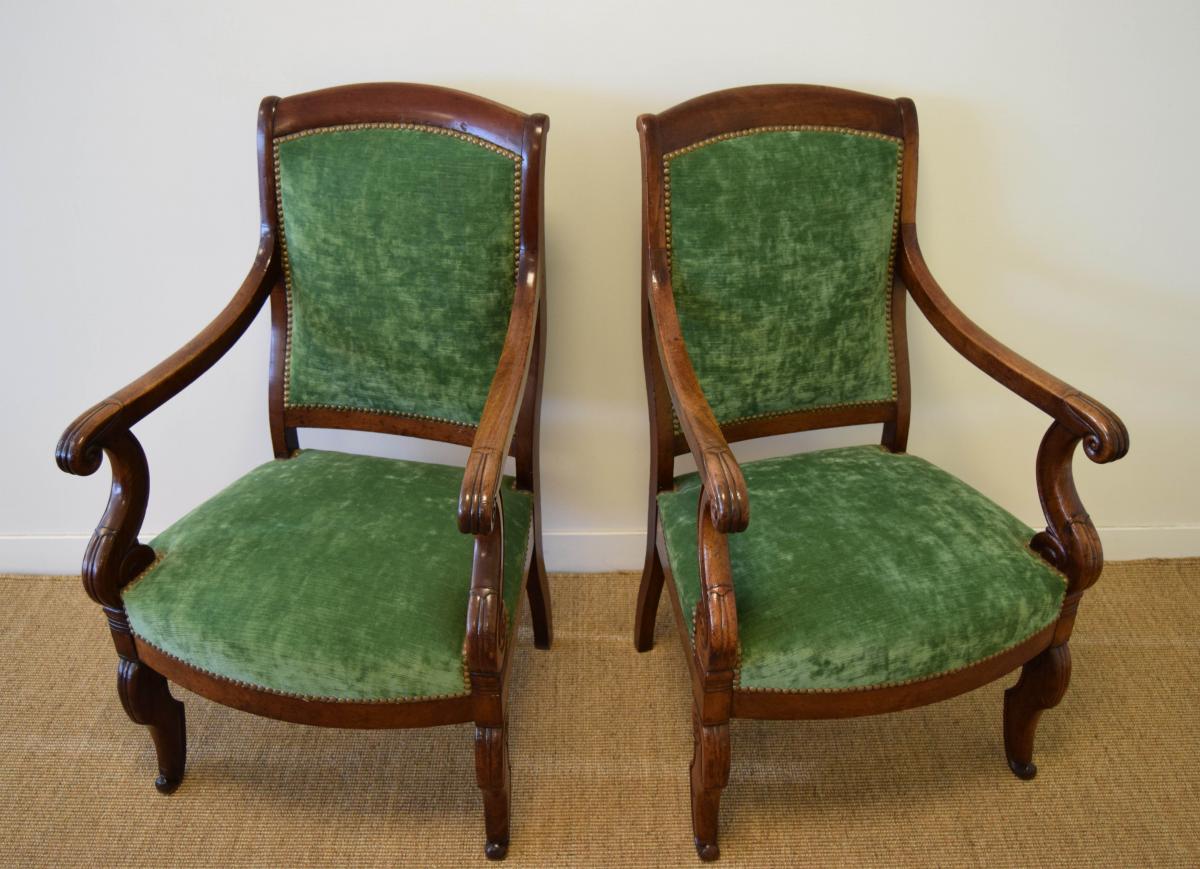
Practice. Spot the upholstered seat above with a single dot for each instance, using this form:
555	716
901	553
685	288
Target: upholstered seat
863	567
325	575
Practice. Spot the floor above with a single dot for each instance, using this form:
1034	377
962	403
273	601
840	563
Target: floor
601	740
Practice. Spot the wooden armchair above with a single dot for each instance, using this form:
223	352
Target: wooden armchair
780	240
400	245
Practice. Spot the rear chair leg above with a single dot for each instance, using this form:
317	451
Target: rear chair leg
492	773
538	591
147	700
649	594
1042	685
710	775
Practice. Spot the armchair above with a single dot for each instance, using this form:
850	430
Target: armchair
780	240
400	246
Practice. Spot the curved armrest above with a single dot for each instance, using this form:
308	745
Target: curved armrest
80	447
1105	438
728	500
480	492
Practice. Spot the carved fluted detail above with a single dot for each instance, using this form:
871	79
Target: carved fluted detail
485	631
477	498
486	619
716	616
729	501
147	700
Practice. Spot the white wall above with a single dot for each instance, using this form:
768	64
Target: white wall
1058	207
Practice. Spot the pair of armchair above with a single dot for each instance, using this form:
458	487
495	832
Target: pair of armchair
401	249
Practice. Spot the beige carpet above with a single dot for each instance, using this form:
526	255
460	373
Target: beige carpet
600	746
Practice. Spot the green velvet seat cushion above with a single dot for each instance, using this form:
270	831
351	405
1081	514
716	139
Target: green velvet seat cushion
862	567
781	252
325	575
400	255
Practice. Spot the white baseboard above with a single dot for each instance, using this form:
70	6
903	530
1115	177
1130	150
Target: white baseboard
1125	543
594	551
587	551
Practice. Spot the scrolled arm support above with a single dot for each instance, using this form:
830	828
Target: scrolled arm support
486	618
479	497
1070	541
724	485
113	555
716	616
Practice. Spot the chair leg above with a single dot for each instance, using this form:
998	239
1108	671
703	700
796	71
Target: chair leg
492	773
1042	684
710	775
538	591
148	701
649	594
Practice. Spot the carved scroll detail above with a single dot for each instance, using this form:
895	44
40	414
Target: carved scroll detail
476	504
114	556
1070	541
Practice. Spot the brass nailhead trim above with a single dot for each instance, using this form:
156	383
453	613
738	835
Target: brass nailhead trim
287	265
815	409
782	128
158	557
372	700
887	294
399	413
422	128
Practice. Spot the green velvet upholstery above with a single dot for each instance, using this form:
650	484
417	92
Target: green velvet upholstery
400	261
325	575
862	567
781	252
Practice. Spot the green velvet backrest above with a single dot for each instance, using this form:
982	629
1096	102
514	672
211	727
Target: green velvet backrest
400	246
781	245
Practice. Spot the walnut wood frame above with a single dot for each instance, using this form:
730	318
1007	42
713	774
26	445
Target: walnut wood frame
509	426
1069	543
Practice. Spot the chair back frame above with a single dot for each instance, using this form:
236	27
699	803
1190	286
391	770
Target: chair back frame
386	103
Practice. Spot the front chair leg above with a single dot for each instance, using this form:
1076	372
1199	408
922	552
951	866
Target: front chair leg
1042	685
148	701
710	775
491	771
